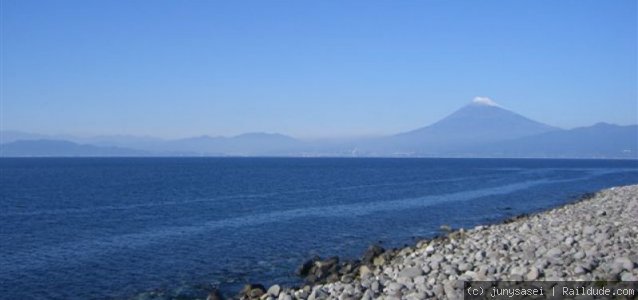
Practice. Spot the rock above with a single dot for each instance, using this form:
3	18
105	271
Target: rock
464	267
589	230
252	291
347	278
436	258
601	238
283	296
364	271
449	270
311	278
472	275
554	252
318	293
624	263
426	269
304	269
578	270
301	294
438	291
525	227
328	263
379	261
394	287
483	270
479	255
256	293
415	296
626	276
420	280
518	271
274	290
450	292
532	274
323	270
334	277
372	252
375	287
367	295
411	272
541	263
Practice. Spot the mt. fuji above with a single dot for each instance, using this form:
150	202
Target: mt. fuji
479	122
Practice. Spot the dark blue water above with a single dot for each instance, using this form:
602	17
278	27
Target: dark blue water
94	228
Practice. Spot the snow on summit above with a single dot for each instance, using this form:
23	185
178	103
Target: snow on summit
484	101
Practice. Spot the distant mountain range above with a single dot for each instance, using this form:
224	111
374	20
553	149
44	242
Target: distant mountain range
248	144
479	129
598	141
38	148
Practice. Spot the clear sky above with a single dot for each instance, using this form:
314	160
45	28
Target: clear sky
310	68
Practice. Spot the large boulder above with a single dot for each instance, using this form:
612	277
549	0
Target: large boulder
252	291
372	252
304	269
214	295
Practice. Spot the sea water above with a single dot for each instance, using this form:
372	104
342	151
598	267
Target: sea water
99	228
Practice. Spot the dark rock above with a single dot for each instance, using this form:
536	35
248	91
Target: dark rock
214	295
328	263
305	268
515	218
311	278
324	267
348	278
256	293
322	271
332	278
585	196
252	291
372	252
349	267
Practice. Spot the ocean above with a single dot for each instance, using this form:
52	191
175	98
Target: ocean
103	228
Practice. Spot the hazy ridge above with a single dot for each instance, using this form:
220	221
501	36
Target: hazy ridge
475	130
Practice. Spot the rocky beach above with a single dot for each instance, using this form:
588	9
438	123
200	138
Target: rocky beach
595	238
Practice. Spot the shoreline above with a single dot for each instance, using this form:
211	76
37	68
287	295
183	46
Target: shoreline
592	238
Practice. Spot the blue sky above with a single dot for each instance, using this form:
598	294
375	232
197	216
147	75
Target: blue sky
310	69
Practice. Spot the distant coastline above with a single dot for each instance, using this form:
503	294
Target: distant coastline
322	157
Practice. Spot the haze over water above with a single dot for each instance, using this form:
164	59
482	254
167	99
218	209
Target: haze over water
96	228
